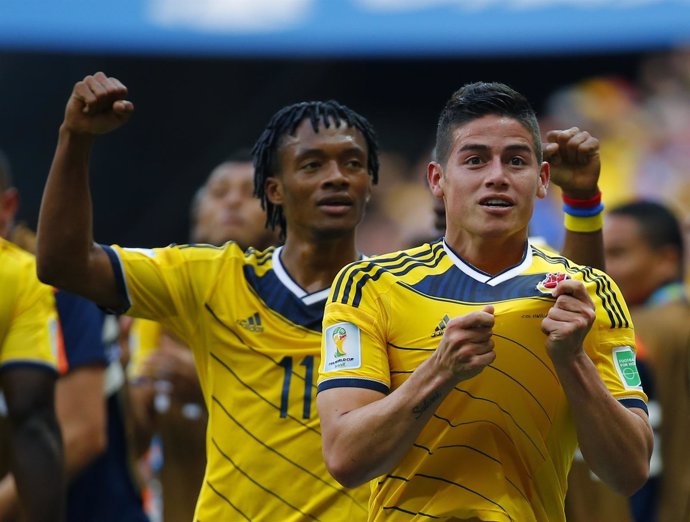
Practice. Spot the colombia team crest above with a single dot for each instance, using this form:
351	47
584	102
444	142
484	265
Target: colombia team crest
550	282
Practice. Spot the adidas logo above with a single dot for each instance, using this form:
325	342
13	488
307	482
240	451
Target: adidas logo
252	323
438	331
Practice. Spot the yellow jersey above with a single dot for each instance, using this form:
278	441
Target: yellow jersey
499	447
256	337
29	332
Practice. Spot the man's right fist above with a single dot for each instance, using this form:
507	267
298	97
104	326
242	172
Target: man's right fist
97	105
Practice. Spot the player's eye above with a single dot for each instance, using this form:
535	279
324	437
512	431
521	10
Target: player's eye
310	165
473	160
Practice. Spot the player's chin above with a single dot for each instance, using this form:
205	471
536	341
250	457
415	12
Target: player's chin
334	228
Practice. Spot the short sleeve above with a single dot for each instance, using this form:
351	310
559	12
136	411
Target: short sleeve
353	347
611	343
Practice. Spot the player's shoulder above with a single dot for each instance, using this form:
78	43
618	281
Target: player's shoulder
17	265
386	269
259	258
15	258
392	262
547	259
190	252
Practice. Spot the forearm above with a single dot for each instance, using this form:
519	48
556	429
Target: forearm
369	441
615	442
65	222
585	248
37	466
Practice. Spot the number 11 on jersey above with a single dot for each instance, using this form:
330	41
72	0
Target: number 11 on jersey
308	363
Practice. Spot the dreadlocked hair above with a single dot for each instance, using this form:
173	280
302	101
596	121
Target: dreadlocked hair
285	122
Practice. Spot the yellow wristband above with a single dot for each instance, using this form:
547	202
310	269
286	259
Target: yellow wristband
583	224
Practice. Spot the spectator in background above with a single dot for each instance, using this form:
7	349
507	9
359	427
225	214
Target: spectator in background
645	255
28	359
224	207
165	391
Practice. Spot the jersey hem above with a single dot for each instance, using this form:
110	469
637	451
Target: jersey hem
349	382
634	403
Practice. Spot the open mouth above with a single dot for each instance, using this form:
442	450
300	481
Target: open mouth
335	204
495	202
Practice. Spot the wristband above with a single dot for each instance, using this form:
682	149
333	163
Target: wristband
583	212
583	203
583	224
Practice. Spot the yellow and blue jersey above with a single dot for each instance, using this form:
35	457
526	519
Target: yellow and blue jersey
256	337
499	446
29	332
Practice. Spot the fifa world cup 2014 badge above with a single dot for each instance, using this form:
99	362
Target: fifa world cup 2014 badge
343	347
550	282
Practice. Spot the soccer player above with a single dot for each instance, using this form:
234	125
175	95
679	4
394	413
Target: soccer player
251	318
459	376
28	358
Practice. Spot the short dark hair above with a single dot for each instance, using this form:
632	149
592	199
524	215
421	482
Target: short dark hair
5	172
285	122
479	99
658	225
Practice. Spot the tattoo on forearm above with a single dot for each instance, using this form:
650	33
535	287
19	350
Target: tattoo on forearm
419	410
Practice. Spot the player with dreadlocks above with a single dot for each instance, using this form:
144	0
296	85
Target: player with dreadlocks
252	319
285	122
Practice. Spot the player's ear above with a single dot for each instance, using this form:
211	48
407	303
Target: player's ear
543	183
274	190
434	176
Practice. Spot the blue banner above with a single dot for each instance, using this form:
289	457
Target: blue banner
284	28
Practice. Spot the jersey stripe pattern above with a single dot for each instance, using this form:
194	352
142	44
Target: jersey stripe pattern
255	336
500	445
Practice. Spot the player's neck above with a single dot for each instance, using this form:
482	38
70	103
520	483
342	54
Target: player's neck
491	255
314	265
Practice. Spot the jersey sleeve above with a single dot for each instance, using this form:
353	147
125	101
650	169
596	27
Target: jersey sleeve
167	284
611	342
353	346
32	336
